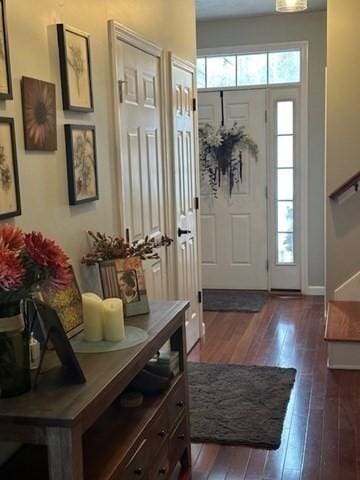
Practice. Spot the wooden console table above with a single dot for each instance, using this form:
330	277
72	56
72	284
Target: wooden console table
87	433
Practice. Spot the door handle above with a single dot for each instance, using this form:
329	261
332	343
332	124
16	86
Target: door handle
182	232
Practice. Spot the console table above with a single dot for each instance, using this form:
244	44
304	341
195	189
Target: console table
87	433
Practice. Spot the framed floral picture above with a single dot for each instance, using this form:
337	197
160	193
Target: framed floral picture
5	70
10	205
81	163
75	67
39	114
124	278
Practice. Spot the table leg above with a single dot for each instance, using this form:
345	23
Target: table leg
65	453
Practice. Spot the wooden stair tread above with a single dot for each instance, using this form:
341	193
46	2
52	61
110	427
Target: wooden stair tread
343	322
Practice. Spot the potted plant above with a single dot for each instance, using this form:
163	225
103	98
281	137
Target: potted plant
27	262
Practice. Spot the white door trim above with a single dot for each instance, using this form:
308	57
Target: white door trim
120	32
303	46
175	61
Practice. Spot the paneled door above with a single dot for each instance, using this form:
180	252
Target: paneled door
234	229
186	191
141	164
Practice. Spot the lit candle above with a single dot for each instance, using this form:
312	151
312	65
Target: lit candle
93	317
113	320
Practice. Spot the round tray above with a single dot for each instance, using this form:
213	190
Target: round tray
134	336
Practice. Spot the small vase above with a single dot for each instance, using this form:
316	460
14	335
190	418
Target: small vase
14	352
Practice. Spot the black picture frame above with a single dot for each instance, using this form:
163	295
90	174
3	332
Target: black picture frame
64	33
77	184
5	95
13	169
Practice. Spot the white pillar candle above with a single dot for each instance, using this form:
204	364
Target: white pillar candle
93	317
114	328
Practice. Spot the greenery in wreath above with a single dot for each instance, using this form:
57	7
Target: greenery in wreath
221	150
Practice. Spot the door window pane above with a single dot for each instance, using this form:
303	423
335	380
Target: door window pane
285	118
285	186
201	78
252	69
285	151
284	67
221	71
285	217
285	248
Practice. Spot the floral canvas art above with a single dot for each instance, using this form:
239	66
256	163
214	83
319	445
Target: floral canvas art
9	182
81	163
39	113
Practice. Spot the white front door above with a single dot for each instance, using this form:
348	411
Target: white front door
141	167
186	190
234	230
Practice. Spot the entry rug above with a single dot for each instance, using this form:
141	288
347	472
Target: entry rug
234	300
239	404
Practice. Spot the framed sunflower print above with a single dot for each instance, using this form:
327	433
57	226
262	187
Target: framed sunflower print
39	114
5	70
81	163
75	68
9	179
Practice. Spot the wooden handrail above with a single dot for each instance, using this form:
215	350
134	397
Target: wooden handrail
353	182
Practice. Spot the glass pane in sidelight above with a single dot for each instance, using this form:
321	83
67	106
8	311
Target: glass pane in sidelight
284	67
285	184
221	71
285	118
201	76
285	151
285	217
252	69
285	252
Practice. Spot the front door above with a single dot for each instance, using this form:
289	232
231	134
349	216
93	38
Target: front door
234	229
141	167
186	188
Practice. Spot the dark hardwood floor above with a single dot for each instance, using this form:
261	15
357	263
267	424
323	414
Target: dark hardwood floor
321	436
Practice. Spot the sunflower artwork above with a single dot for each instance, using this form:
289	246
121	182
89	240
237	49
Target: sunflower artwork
39	113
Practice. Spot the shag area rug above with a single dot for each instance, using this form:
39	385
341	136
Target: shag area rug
234	300
239	404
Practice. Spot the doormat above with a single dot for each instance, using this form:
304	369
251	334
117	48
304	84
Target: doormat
239	404
234	300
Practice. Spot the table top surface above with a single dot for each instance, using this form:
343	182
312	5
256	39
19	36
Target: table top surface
54	403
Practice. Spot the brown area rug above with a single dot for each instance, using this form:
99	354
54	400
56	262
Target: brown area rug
239	404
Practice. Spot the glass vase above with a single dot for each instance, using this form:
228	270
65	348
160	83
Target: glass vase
14	352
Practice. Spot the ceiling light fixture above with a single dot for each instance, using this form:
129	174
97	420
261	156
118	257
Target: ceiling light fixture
291	5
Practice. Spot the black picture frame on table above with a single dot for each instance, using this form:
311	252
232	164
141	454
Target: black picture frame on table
9	170
82	164
69	80
8	94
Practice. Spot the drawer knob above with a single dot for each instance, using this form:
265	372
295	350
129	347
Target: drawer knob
138	471
162	433
180	404
181	436
162	471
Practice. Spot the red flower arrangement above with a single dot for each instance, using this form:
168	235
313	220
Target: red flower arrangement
28	261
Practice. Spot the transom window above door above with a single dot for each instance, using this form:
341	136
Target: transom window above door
249	69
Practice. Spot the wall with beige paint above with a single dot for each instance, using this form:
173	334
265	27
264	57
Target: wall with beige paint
343	140
34	53
288	28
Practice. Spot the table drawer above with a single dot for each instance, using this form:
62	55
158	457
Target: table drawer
158	433
160	470
176	403
178	441
136	468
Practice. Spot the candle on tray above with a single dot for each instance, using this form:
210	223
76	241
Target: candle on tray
93	310
113	320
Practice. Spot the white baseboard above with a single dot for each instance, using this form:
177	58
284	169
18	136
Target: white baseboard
315	290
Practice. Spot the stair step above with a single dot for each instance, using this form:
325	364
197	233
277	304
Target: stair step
343	322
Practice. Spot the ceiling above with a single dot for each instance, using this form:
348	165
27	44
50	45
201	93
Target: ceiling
211	9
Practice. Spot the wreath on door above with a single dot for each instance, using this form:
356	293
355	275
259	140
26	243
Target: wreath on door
221	151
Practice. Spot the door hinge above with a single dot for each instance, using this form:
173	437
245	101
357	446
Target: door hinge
267	265
200	296
196	203
120	87
266	116
266	192
194	104
127	235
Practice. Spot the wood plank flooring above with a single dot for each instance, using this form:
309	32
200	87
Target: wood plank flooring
321	436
